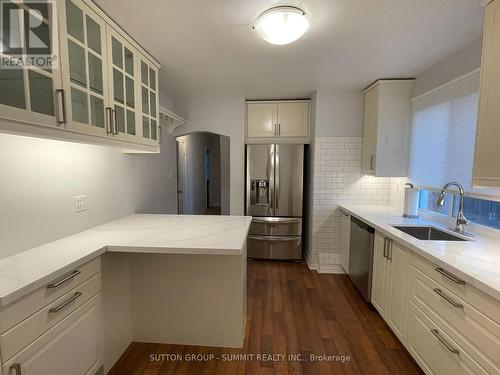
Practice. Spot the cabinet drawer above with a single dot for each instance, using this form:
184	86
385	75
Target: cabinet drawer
434	351
27	305
479	300
18	337
480	334
276	226
73	346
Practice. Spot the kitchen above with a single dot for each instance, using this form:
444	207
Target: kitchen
94	255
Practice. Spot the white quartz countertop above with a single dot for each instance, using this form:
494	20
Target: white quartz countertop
477	262
164	234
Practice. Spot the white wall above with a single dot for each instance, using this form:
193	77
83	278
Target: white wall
224	116
39	178
463	61
339	113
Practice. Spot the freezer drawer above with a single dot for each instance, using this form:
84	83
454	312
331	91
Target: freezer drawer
276	226
275	247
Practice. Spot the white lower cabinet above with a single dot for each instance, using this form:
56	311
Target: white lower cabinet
391	263
434	350
447	325
74	346
380	275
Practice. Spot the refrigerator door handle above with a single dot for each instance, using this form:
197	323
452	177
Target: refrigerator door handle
267	221
274	239
271	176
277	178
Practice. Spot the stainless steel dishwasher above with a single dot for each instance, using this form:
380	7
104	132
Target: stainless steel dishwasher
361	257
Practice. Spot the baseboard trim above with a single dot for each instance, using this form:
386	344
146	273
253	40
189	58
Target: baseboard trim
310	264
331	268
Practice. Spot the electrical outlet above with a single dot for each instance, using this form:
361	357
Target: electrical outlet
80	203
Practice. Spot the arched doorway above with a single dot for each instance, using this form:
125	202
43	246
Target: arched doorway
203	174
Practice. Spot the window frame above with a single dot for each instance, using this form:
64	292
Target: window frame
450	219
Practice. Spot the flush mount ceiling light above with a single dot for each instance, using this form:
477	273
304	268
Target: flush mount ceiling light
281	25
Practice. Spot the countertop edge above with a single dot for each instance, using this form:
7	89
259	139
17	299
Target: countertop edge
492	292
24	290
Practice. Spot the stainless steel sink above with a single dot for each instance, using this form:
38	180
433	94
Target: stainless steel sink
429	233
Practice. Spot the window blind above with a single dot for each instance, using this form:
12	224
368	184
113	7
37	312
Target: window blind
443	133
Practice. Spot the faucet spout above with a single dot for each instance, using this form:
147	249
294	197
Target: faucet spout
461	219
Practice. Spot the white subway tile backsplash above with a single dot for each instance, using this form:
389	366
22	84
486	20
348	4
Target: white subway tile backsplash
338	179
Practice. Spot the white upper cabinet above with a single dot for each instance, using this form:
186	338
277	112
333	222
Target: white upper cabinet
124	88
387	117
27	94
262	119
293	119
83	60
150	114
105	89
487	153
278	121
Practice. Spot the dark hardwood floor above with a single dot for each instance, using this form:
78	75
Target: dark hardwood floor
290	310
213	211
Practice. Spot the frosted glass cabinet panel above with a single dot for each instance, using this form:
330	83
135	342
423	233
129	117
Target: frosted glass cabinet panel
124	88
27	94
104	89
83	55
149	103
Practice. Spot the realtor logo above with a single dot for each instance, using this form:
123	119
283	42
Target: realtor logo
28	34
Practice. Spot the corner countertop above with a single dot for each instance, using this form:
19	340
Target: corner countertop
161	234
477	261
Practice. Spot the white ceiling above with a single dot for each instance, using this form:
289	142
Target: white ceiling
207	47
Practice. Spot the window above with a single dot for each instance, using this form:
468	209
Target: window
480	211
443	133
428	201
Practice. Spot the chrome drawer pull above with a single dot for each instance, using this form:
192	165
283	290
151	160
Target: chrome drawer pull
65	279
445	297
435	332
450	276
276	222
64	304
16	367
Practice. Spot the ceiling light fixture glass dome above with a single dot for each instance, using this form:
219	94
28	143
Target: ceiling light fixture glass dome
281	25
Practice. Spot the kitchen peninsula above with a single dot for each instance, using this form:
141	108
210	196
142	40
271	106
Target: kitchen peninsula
185	274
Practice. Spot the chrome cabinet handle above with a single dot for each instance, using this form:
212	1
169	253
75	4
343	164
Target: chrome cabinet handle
372	162
279	129
64	304
61	104
109	124
275	129
389	249
16	367
55	284
448	346
115	125
445	297
385	247
450	276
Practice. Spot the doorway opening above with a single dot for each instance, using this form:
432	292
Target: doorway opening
203	174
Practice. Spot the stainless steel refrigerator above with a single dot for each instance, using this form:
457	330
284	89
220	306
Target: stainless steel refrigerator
274	195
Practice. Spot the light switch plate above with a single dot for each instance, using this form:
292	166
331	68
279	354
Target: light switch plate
80	203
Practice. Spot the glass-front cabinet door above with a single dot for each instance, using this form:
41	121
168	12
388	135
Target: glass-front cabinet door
150	113
123	73
28	90
84	59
